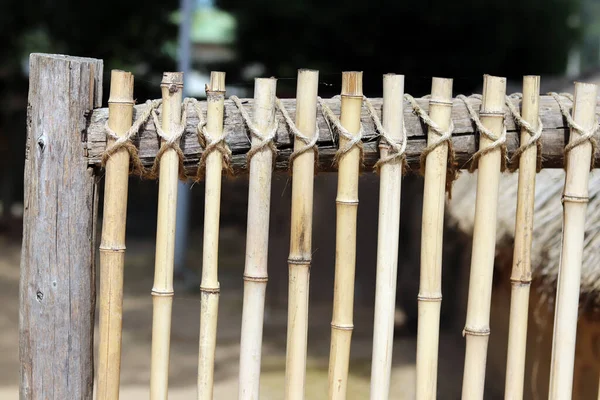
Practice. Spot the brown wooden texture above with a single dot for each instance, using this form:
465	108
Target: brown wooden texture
57	287
465	142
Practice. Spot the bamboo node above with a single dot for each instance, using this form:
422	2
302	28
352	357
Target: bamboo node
299	261
169	142
571	198
476	332
444	136
498	142
430	299
342	327
535	135
348	202
250	278
397	147
125	141
209	143
586	135
309	143
116	249
210	290
354	140
264	140
162	293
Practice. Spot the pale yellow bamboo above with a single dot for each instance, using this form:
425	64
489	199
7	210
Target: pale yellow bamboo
301	236
575	197
432	235
162	291
209	287
390	178
112	246
345	241
257	243
521	269
477	329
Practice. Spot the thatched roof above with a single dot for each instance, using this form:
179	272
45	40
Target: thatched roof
547	224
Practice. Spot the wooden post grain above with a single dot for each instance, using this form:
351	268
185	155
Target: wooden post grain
209	287
575	198
112	246
301	237
521	267
257	243
345	241
57	287
477	328
162	290
432	236
390	178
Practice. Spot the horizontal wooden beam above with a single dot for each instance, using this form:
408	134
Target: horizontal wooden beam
465	140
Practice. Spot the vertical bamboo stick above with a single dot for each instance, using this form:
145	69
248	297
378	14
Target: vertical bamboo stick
345	241
301	236
477	329
390	178
112	247
257	242
432	235
209	287
521	270
162	291
575	197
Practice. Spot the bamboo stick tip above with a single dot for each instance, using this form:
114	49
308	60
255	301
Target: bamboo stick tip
585	89
261	84
172	78
441	89
121	87
494	92
352	83
217	82
308	75
393	78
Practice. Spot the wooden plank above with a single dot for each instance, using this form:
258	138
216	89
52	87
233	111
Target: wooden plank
57	288
465	141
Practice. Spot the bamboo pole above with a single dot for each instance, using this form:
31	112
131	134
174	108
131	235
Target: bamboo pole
521	269
575	197
257	242
162	291
390	178
112	246
299	260
209	287
432	235
346	206
477	329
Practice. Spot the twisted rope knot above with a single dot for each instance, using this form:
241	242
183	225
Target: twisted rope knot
397	147
585	135
263	140
534	134
498	141
125	141
210	144
170	142
352	140
309	143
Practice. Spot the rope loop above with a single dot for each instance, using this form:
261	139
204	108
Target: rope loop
309	143
534	134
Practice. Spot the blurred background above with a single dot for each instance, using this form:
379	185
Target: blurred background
460	39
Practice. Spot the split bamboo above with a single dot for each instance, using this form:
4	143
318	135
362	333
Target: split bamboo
209	286
432	235
575	197
390	178
299	260
162	291
521	268
257	242
112	246
477	329
345	260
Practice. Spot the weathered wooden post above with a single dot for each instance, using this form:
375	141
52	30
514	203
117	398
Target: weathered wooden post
57	288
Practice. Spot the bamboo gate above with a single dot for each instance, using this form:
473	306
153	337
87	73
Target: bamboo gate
69	139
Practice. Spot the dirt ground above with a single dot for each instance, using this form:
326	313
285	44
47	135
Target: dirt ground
137	321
